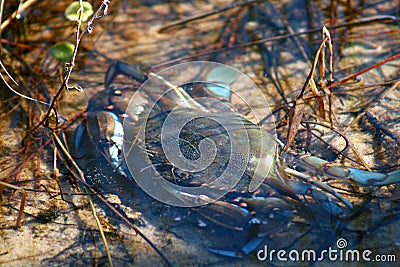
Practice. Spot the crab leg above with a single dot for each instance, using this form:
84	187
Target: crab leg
319	166
321	185
245	250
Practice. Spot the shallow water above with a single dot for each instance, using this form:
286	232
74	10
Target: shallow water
141	32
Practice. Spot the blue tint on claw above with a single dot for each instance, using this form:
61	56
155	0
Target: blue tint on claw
220	80
220	90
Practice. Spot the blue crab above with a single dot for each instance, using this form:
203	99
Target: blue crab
286	189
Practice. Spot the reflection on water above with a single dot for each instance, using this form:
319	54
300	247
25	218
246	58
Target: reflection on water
274	44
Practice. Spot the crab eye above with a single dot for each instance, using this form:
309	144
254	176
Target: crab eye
117	92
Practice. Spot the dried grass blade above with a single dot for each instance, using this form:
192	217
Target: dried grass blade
320	99
298	108
103	237
294	122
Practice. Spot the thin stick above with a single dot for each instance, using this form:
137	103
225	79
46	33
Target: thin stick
372	104
380	127
70	66
82	180
350	77
1	20
361	22
23	200
203	15
13	90
103	237
21	8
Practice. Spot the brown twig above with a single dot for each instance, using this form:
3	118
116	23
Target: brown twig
204	15
21	8
22	204
352	76
81	178
372	104
356	22
70	66
383	128
298	106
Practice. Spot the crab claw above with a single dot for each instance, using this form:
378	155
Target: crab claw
119	67
246	249
105	131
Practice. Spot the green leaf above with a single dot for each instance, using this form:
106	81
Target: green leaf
63	52
71	13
